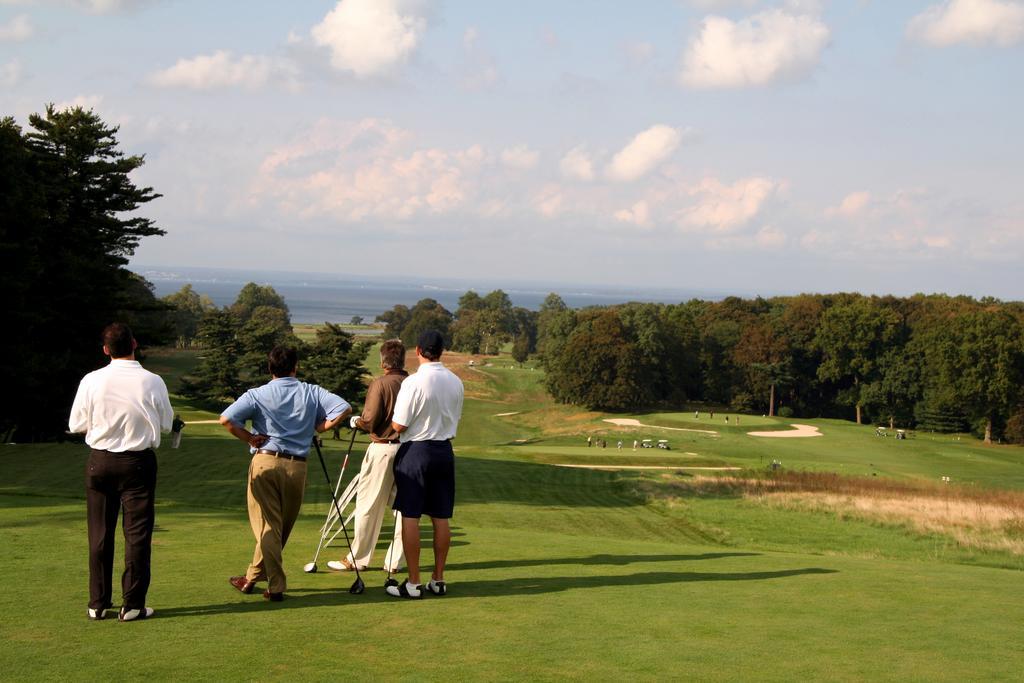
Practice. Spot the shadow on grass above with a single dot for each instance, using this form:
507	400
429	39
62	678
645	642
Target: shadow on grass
335	597
595	560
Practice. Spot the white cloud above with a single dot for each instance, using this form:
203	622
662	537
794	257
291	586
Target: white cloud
724	208
10	73
770	237
577	164
83	101
643	153
639	215
19	28
638	53
770	46
520	157
90	6
911	223
368	169
852	205
973	22
711	5
223	70
371	38
548	202
479	69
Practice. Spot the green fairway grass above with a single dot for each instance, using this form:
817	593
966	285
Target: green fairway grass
555	572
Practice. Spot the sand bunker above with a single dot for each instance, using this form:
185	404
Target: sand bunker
630	422
798	431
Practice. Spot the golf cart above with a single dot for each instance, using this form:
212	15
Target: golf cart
663	444
646	443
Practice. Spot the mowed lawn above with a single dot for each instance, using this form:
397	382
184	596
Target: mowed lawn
555	573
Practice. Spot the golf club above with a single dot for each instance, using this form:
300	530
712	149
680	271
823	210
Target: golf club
358	586
391	581
327	531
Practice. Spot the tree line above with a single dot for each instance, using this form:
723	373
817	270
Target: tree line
480	324
928	361
67	228
234	341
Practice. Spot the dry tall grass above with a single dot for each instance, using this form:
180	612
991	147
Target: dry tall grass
974	518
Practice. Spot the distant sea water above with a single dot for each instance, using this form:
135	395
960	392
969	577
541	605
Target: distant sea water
318	297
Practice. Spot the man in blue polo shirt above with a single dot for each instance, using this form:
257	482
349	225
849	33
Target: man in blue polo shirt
284	413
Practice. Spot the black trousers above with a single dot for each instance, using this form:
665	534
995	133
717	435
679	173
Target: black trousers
116	482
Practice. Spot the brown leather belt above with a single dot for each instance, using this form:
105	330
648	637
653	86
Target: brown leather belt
385	441
282	454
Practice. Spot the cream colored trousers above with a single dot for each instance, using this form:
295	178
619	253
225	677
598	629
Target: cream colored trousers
276	486
375	493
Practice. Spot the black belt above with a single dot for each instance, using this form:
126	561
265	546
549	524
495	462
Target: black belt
144	451
282	454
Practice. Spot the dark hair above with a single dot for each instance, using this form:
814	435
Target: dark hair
117	337
430	344
282	361
392	354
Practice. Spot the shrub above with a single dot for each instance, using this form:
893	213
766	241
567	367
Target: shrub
785	411
1014	432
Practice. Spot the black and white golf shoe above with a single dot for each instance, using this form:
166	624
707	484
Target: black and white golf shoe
98	614
406	590
135	614
437	587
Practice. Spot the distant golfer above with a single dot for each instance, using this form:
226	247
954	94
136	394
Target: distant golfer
375	491
285	414
427	414
122	409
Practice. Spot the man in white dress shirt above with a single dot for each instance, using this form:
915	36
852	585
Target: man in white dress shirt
122	409
427	412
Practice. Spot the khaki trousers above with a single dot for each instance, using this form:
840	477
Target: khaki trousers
276	486
375	493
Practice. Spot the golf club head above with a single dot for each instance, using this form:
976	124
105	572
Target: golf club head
310	568
390	582
357	587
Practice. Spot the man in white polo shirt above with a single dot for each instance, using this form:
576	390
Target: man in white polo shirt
427	412
122	409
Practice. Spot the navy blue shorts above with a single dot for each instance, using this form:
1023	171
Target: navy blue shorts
425	477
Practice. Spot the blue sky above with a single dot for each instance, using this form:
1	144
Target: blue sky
747	146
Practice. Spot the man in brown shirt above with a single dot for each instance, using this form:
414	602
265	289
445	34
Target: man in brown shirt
375	491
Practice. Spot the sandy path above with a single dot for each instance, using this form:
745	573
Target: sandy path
799	432
506	414
646	467
630	422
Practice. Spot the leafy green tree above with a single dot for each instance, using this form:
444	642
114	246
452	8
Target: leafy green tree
253	296
485	324
357	320
266	327
335	361
187	308
597	367
521	349
853	337
69	223
427	314
764	358
979	356
218	378
395	321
